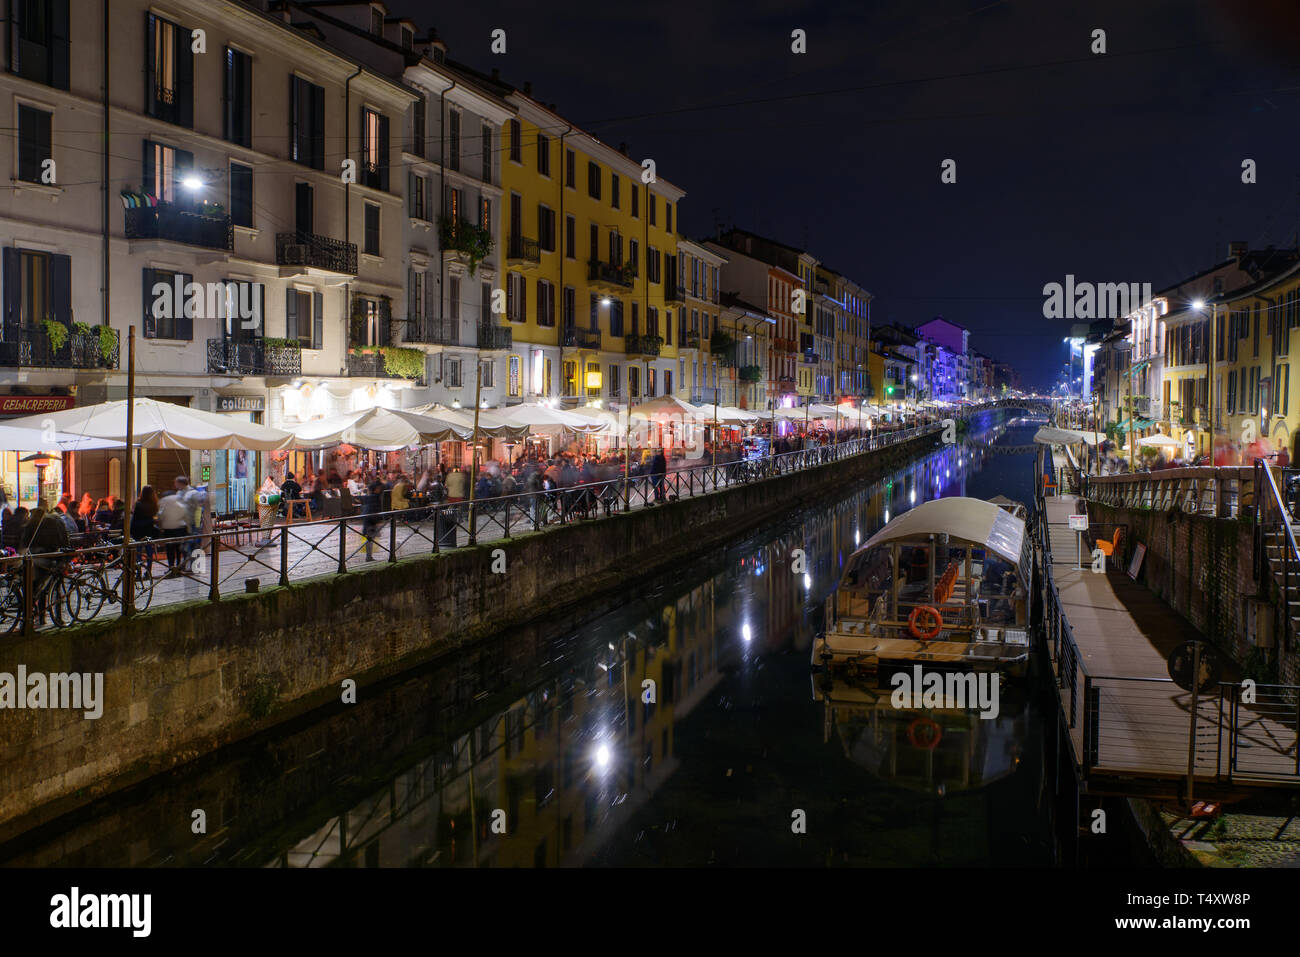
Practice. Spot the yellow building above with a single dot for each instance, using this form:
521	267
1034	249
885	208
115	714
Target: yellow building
590	266
700	271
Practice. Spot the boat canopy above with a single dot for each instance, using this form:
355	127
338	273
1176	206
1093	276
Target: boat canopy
1051	435
971	520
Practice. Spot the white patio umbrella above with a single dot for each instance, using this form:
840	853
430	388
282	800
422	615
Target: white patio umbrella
540	417
730	415
38	440
384	430
491	423
1159	441
611	419
669	406
159	425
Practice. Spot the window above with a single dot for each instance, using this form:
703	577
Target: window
613	190
652	264
418	120
487	153
633	382
417	192
516	297
164	316
241	195
616	317
593	180
453	139
636	202
668	385
306	123
544	154
453	298
374	149
408	38
546	228
516	150
169	78
545	303
570	170
668	217
451	373
485	304
570	237
516	383
303	319
594	244
570	376
615	380
237	98
570	307
487	371
372	229
593	392
668	327
416	303
634	256
653	206
164	167
33	142
38	41
485	213
651	321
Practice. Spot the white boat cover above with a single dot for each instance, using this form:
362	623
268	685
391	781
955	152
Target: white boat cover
970	520
1051	435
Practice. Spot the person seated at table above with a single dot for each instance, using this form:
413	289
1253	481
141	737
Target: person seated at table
118	521
63	513
401	492
104	512
317	494
290	492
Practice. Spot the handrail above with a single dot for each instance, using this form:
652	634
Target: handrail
1269	501
211	561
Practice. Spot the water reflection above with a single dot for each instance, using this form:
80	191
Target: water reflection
677	729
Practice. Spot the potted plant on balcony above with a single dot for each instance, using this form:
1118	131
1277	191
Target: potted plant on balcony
750	373
403	363
723	347
56	332
475	242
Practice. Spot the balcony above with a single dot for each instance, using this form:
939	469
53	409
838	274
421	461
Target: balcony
386	362
523	252
674	294
253	357
635	345
29	347
433	332
750	373
581	338
785	345
609	276
691	340
495	337
809	356
786	384
173	224
316	252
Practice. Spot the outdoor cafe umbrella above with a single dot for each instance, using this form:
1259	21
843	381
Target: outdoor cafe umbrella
491	423
159	425
669	406
28	439
536	416
384	430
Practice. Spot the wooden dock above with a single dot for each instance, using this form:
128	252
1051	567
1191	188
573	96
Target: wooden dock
1128	724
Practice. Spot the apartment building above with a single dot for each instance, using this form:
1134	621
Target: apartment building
241	245
699	369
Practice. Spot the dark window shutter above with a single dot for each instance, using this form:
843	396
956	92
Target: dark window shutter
383	153
147	166
184	78
317	127
150	78
246	99
260	330
228	95
291	314
318	320
295	119
59	34
13	286
146	299
184	323
61	288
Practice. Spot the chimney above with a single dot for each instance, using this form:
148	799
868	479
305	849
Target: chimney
1236	250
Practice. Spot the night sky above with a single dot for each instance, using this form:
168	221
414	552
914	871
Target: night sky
1123	167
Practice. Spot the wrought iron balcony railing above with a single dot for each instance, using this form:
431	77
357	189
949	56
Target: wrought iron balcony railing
691	340
253	357
30	347
582	338
433	332
521	249
636	345
495	337
319	252
674	294
609	274
179	225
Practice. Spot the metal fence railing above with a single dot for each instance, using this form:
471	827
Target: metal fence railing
58	589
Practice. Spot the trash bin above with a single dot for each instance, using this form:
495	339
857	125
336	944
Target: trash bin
268	509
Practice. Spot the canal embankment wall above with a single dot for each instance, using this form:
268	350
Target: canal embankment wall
1203	568
187	679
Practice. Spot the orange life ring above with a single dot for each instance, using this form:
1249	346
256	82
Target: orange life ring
913	622
932	736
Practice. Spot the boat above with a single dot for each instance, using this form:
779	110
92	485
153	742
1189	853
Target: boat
946	585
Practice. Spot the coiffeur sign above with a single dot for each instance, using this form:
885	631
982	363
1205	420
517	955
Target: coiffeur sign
32	404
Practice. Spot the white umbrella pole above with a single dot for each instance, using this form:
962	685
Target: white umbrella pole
473	452
128	566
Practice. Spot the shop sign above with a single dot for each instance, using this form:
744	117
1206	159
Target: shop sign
33	404
241	403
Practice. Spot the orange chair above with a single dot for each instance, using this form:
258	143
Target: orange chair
1109	548
943	588
1049	484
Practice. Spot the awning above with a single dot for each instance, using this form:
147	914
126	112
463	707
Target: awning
160	425
967	519
1050	435
539	417
491	423
384	430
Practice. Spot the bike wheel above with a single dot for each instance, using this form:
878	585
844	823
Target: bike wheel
65	601
143	592
91	587
11	605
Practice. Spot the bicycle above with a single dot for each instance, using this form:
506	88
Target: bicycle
92	582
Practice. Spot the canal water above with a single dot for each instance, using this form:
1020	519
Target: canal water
684	729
